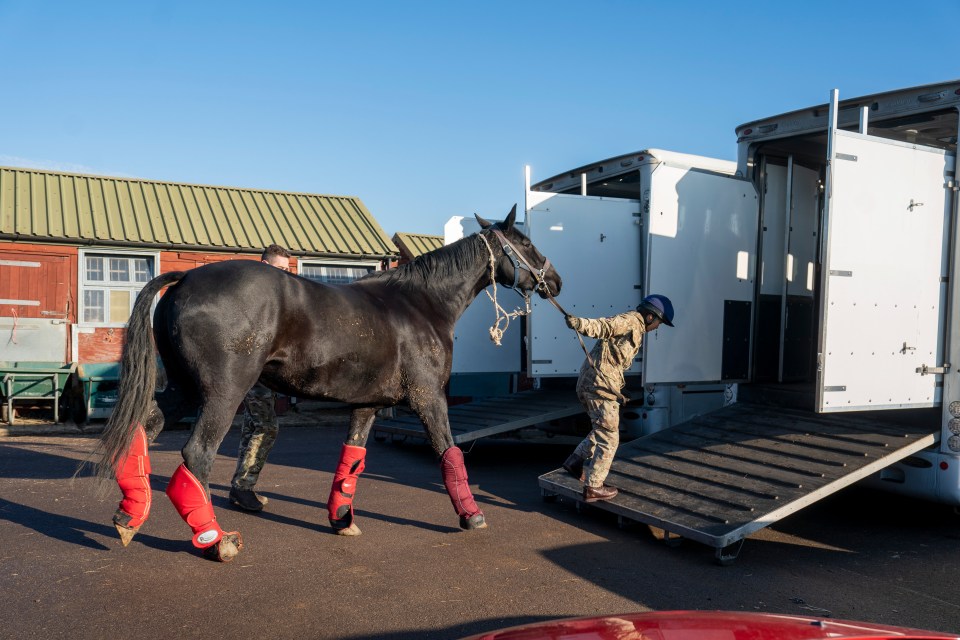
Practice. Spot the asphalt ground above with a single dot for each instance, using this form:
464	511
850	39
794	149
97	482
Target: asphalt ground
859	554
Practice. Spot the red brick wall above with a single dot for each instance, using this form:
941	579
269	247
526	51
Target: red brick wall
44	280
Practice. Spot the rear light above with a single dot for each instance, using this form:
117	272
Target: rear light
944	466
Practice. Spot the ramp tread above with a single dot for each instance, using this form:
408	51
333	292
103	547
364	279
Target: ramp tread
724	475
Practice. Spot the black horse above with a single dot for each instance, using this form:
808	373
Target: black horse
384	340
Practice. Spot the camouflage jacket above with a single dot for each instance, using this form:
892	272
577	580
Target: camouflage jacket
618	342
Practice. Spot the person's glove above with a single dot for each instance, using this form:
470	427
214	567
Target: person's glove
573	322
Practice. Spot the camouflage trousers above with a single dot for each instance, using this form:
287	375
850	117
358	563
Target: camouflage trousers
600	446
257	435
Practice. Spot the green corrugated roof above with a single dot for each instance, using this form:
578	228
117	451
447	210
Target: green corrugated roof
56	207
412	245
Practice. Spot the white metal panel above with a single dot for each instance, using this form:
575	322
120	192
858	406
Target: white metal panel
802	257
33	339
473	350
883	274
594	243
801	251
700	252
773	237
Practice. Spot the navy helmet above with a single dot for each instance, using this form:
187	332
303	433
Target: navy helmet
659	306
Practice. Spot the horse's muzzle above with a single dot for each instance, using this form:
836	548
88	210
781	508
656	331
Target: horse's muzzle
549	286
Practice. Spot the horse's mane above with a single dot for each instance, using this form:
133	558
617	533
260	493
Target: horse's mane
450	260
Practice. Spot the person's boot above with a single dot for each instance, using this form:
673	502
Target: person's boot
574	465
594	494
247	499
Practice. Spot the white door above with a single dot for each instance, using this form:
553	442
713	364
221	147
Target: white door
701	250
594	243
883	274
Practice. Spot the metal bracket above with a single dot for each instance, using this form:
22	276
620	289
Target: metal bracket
925	370
724	556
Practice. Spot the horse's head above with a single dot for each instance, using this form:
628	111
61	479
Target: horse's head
520	265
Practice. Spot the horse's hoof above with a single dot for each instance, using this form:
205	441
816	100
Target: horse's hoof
475	521
121	520
126	533
352	530
226	549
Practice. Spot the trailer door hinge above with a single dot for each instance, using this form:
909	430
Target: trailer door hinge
925	370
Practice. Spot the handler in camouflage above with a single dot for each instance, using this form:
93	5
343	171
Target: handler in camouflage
599	385
259	429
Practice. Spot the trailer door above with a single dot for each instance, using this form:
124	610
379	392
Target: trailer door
883	274
594	243
701	247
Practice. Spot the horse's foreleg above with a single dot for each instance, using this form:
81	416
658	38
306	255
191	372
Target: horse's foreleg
352	457
458	488
188	487
452	467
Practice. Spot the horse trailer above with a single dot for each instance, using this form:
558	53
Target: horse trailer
815	282
595	241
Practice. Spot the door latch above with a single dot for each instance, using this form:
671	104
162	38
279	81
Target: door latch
906	348
925	370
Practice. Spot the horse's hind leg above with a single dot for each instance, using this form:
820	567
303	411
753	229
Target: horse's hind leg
352	456
133	477
133	472
189	490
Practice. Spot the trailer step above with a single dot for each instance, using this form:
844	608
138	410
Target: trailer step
490	416
720	477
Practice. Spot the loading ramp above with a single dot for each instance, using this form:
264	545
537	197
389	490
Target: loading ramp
492	415
722	476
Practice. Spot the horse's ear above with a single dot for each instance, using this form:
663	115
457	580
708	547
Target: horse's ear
511	218
484	223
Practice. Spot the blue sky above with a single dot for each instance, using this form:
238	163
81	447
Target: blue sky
426	110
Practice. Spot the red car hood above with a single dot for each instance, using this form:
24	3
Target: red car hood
705	625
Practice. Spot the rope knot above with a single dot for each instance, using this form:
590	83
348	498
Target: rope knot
501	315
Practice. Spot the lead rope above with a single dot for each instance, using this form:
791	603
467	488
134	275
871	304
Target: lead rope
496	333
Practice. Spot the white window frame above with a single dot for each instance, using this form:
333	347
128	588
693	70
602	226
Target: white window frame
304	263
85	285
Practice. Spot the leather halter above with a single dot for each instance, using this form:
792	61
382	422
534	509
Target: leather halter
519	262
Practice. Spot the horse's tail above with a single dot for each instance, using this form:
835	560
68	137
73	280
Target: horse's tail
138	380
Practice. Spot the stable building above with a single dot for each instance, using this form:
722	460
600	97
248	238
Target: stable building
413	245
76	249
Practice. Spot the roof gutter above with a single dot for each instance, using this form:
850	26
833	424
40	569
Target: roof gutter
18	237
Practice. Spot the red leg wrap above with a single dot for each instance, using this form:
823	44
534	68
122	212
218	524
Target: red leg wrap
133	476
194	506
455	480
340	502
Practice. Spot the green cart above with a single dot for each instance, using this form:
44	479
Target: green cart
99	381
33	383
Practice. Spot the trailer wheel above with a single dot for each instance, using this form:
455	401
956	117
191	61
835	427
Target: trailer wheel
4	414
